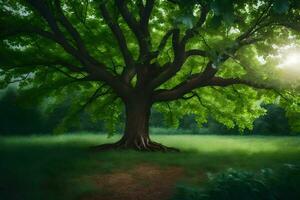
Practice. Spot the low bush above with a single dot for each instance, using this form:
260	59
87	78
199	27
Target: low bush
267	184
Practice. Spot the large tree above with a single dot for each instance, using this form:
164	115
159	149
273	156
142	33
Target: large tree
208	58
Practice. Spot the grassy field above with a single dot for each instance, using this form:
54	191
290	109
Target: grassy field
62	167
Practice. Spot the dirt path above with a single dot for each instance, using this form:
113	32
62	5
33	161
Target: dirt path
143	182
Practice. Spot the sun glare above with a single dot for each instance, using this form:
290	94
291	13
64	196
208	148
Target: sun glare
291	61
290	65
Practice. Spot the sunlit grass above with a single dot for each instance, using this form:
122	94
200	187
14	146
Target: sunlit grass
247	144
203	143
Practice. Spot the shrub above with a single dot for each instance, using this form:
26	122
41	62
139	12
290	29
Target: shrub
233	184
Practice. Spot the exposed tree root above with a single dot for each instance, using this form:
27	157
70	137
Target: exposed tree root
139	144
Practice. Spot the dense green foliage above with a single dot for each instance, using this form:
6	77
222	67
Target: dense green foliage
234	184
250	34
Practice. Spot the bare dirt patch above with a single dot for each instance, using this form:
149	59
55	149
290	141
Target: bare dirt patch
143	182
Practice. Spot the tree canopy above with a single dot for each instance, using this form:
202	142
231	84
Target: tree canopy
218	58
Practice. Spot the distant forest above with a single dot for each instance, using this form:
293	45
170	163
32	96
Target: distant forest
17	118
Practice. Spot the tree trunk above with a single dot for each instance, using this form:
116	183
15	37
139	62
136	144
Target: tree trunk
137	124
136	135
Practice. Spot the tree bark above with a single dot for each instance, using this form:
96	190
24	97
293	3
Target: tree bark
136	133
137	124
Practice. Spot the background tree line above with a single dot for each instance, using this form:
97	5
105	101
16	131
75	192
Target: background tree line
19	119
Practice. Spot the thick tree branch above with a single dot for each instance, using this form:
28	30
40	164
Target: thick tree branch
223	82
115	28
197	80
142	39
180	55
183	89
170	68
202	79
73	32
145	15
194	81
96	70
45	12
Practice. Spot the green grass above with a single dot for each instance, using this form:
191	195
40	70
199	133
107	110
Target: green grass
49	167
